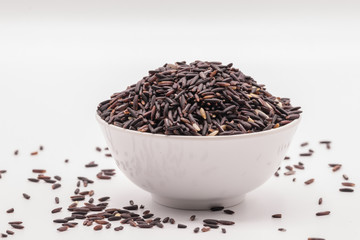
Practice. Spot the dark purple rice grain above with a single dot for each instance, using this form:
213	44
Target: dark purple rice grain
49	181
10	232
70	225
149	215
60	220
192	217
228	211
288	173
301	167
57	178
205	229
166	220
348	184
290	168
56	210
77	198
181	225
196	230
315	238
91	164
211	225
26	196
16	152
172	221
276	215
345	177
336	168
226	222
43	177
131	207
102	222
282	230
217	208
310	181
346	190
98	149
63	228
320	201
309	154
119	228
11	210
98	227
103	199
17	226
145	225
103	177
223	230
15	222
114	218
304	144
210	221
324	213
56	186
159	224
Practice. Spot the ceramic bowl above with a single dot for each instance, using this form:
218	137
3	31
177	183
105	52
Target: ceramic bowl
198	172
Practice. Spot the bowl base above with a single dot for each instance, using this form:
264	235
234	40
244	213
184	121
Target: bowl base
200	204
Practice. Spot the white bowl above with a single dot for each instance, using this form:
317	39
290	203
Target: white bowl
198	172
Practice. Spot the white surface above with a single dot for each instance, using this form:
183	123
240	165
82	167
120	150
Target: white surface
59	59
196	172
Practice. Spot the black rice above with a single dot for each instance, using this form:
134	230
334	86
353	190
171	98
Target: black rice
200	98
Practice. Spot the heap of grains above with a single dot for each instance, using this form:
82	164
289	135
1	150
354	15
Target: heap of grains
201	99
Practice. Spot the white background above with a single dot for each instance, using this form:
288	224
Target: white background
59	59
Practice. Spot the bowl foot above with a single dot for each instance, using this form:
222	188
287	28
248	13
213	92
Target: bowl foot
197	204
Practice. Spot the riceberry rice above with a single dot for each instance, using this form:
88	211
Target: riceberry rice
26	196
346	190
11	210
201	99
310	181
324	213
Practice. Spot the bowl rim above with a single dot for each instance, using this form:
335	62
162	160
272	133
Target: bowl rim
292	124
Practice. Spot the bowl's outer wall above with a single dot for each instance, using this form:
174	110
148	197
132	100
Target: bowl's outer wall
198	168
